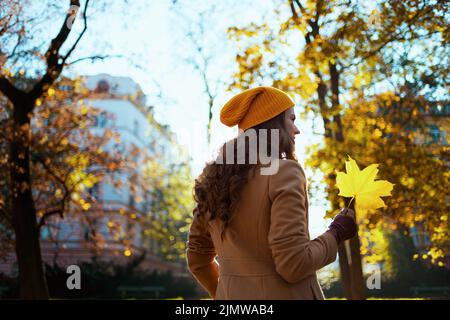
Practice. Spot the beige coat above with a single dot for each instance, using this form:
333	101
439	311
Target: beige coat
266	252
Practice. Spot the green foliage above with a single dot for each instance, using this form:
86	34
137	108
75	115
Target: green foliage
172	207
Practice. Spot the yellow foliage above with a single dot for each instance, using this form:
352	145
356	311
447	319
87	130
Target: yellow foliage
58	193
64	141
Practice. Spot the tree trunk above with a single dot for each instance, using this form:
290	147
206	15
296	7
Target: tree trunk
357	278
349	252
32	281
350	265
345	270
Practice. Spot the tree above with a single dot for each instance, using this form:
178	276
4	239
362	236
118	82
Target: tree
52	166
21	54
72	155
23	102
393	129
171	207
336	46
202	48
68	159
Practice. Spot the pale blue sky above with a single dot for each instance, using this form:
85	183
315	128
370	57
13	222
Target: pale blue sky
152	35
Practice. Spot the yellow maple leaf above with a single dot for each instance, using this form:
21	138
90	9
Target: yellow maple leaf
361	185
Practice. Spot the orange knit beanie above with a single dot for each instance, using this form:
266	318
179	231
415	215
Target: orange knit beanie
254	106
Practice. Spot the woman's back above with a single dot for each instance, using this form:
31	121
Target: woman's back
265	252
258	225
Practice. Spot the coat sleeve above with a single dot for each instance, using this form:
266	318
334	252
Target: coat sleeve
200	253
294	254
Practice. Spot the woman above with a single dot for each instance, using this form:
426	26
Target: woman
257	224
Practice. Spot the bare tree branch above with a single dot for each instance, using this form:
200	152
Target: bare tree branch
80	35
19	40
55	62
48	214
94	58
60	210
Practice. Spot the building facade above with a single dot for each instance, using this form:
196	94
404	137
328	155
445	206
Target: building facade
70	240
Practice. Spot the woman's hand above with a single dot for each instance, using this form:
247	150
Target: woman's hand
343	226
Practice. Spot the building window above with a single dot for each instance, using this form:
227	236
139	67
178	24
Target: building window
89	230
102	87
101	120
131	202
420	237
86	232
94	191
45	234
65	87
414	236
426	238
136	127
435	134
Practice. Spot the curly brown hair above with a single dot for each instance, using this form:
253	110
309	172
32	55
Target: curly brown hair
218	188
